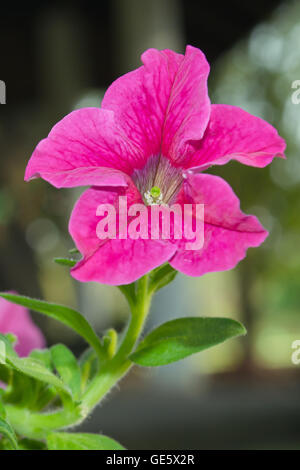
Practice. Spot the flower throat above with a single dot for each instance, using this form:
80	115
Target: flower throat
158	181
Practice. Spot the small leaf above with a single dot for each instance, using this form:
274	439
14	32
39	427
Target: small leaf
65	315
11	338
65	262
110	342
23	390
6	340
73	251
88	366
31	367
43	356
26	391
128	290
67	367
36	370
76	441
182	337
7	431
161	277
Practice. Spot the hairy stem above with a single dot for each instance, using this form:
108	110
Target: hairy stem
38	425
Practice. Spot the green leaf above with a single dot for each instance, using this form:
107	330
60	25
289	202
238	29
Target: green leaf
27	391
5	347
110	342
11	338
67	367
7	431
43	356
76	441
31	444
36	370
45	392
2	409
180	338
129	291
89	367
73	251
31	367
65	315
23	390
161	276
5	373
65	262
6	340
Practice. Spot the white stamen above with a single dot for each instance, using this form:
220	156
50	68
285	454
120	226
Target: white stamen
153	201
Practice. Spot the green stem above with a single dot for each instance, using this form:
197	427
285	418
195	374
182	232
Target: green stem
37	425
115	369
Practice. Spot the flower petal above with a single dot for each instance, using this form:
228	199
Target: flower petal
232	133
163	104
228	232
15	319
112	261
100	176
78	145
120	262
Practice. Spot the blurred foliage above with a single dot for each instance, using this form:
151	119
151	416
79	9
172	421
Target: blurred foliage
257	75
263	292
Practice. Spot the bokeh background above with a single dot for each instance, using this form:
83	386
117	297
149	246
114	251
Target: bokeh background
56	57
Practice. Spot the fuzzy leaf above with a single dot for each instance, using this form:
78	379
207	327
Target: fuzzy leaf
65	315
180	338
67	367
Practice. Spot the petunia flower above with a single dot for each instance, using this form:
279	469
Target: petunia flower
154	136
16	319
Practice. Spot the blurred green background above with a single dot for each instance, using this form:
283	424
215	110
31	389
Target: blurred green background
56	57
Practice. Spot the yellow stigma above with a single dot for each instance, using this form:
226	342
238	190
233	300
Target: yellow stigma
155	192
153	197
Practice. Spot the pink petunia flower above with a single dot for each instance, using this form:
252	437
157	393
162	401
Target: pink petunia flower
15	319
156	129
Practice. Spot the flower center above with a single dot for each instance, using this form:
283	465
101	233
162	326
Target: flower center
158	181
154	196
155	192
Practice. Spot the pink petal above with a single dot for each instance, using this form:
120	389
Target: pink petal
78	145
228	232
100	176
232	133
112	261
16	319
120	262
163	104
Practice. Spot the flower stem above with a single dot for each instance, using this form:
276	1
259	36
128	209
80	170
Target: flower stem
38	425
115	369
